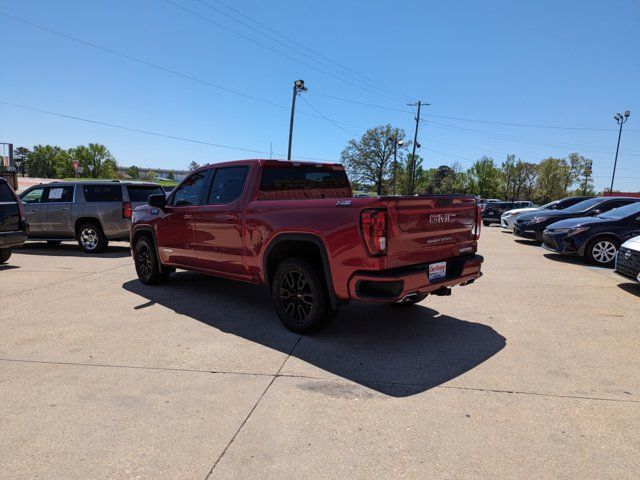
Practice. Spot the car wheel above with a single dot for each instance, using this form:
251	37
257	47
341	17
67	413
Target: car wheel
150	271
300	297
602	251
5	254
411	301
485	223
91	238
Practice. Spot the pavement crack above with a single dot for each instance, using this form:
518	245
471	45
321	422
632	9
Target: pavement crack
222	454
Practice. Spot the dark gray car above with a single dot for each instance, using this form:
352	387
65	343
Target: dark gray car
90	212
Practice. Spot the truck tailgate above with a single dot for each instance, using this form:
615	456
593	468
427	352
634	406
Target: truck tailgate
430	228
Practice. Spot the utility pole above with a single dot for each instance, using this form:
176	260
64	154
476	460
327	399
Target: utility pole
396	143
298	86
412	165
621	120
270	150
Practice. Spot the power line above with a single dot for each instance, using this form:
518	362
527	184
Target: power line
517	139
357	77
157	66
488	122
266	27
143	62
252	40
151	132
327	118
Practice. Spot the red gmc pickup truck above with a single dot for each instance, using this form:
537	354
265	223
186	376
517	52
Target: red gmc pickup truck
297	228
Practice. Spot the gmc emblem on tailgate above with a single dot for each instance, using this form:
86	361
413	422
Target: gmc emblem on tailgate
442	218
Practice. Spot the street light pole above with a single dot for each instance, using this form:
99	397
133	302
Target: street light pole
298	86
621	120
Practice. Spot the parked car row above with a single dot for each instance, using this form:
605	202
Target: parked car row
603	230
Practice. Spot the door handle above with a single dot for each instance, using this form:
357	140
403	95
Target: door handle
231	217
64	209
187	216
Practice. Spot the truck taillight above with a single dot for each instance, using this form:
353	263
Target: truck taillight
478	224
23	216
374	231
126	210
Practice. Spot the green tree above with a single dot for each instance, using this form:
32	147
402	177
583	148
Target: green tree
133	171
97	156
370	159
21	155
151	175
509	176
484	178
551	180
171	175
43	161
193	166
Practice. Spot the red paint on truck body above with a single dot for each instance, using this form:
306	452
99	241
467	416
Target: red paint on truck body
232	239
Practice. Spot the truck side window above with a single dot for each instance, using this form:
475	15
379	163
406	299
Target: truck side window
227	185
191	191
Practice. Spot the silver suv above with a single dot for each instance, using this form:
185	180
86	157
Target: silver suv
90	212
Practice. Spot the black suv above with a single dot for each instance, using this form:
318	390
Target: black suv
494	210
13	225
532	225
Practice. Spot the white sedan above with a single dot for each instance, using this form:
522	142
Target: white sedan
628	259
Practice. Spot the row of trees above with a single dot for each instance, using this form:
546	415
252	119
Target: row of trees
49	161
94	161
371	167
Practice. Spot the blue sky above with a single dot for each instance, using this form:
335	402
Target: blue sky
568	64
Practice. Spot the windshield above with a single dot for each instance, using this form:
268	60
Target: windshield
622	212
584	205
546	206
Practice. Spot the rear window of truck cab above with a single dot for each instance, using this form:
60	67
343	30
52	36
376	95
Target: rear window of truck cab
303	182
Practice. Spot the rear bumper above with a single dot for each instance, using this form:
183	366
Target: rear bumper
392	285
12	239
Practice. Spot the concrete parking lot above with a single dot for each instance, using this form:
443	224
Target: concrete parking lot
532	371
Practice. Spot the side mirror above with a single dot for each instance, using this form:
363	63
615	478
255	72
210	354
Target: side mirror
593	212
158	201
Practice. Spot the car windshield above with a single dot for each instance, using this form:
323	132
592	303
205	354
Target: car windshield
583	205
622	212
549	205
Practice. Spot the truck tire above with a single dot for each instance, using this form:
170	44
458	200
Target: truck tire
300	296
148	267
91	238
412	301
602	251
5	254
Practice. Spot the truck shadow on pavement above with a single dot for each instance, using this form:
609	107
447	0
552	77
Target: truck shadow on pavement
397	351
632	288
70	250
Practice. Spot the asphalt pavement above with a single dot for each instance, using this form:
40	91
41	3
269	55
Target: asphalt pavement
532	371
